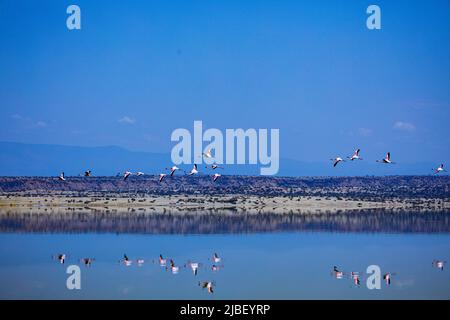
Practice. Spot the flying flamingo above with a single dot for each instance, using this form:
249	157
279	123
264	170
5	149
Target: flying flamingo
62	177
337	160
173	169
126	175
161	177
216	176
194	170
215	166
355	155
87	173
387	159
439	169
208	154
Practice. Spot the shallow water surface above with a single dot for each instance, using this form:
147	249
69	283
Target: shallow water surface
280	264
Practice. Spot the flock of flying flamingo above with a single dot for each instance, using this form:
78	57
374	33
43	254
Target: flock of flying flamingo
385	160
166	264
171	171
216	176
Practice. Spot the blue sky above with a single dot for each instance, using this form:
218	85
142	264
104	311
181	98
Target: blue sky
138	70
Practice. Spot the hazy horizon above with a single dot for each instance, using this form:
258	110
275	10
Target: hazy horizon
21	159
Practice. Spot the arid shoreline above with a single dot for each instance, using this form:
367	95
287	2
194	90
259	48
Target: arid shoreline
245	194
205	203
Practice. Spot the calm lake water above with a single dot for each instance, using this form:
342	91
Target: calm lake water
270	261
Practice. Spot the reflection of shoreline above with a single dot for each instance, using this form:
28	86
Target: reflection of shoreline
99	221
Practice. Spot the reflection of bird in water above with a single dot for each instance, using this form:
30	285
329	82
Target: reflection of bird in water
87	261
173	267
355	277
161	177
194	266
61	258
139	173
140	262
126	261
162	261
216	258
387	278
208	285
337	273
216	267
216	176
439	264
217	262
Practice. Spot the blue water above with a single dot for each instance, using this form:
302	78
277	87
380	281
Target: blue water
275	265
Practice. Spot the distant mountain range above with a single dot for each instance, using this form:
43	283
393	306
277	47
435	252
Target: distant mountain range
21	159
